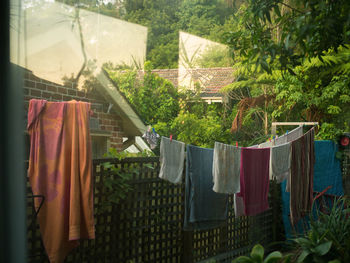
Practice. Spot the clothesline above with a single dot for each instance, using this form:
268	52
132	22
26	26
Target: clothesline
242	171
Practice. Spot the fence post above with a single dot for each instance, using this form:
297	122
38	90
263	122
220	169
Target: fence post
274	209
223	239
187	242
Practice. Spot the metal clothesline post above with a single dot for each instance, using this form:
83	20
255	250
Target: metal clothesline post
275	124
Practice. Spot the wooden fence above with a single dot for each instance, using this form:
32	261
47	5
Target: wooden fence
147	225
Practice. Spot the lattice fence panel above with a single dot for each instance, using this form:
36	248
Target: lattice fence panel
147	225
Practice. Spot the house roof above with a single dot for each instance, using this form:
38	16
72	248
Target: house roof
132	123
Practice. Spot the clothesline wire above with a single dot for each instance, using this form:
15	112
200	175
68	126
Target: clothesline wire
278	137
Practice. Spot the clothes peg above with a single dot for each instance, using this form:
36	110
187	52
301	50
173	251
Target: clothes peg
171	137
154	131
237	144
287	132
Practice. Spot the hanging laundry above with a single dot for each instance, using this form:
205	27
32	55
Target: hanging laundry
172	156
327	172
301	177
60	168
151	137
238	205
204	209
280	159
267	144
295	134
254	181
226	168
281	140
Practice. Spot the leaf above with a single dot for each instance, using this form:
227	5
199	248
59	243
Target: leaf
273	257
107	165
291	71
243	259
264	65
286	43
303	255
150	166
257	253
323	248
277	10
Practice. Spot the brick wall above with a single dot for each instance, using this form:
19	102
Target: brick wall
38	88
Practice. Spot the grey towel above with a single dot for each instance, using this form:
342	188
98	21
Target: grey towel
172	155
267	144
281	140
280	159
295	134
204	209
226	168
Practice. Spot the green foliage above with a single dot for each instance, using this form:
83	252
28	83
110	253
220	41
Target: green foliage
214	57
257	256
318	91
289	31
183	114
116	180
155	98
328	239
164	19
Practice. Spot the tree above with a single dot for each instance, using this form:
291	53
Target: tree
290	31
183	114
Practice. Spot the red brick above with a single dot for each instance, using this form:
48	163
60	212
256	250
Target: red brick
51	88
72	92
47	95
29	84
27	98
41	86
81	94
62	90
108	128
56	96
25	91
35	92
67	98
106	121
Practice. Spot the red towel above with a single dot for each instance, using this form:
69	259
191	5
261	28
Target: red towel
254	180
60	168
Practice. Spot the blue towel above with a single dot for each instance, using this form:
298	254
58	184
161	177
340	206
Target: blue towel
327	171
327	168
204	209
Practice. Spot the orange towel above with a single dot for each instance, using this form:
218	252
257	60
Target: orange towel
60	168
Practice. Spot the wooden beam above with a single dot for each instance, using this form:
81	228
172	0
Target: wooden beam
275	124
130	141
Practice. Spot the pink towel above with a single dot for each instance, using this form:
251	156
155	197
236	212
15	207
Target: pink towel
254	180
60	168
